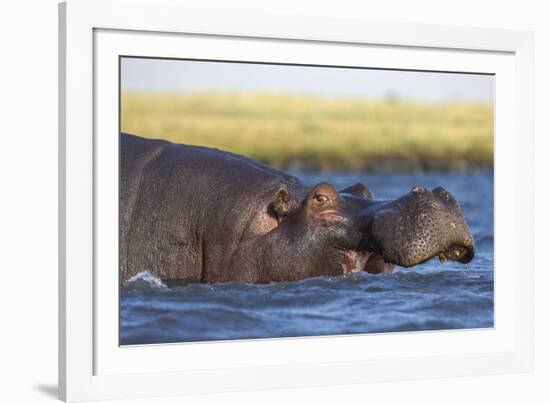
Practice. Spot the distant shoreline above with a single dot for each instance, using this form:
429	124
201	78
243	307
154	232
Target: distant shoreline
384	163
307	133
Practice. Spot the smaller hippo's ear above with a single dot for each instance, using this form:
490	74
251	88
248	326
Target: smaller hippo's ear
282	203
359	189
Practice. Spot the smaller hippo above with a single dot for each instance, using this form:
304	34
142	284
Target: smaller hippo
198	214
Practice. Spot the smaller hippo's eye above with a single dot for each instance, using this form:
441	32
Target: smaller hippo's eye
321	199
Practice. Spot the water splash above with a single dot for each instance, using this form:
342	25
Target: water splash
144	280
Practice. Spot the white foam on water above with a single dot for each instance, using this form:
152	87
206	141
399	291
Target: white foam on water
144	280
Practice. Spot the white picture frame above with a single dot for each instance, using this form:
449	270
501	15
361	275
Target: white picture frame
92	365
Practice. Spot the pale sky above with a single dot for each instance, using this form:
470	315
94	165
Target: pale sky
162	75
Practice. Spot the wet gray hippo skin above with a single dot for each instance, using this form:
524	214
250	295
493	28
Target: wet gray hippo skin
199	214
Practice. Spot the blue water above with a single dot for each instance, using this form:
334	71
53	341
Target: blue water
431	296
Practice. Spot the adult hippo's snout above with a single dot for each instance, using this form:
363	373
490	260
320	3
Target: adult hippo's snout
417	227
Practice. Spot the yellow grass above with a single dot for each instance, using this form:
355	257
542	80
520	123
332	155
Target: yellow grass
319	133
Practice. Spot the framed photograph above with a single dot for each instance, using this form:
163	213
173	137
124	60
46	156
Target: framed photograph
250	201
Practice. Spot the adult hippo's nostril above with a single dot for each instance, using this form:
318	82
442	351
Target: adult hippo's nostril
419	189
442	194
448	200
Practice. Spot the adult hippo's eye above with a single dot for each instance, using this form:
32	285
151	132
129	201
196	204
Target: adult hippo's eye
321	199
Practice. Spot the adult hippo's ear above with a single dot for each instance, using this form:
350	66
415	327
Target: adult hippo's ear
283	203
359	189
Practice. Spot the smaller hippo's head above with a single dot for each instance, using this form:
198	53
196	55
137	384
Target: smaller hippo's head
351	231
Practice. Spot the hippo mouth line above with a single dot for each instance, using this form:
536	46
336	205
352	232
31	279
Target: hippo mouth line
365	260
377	264
373	262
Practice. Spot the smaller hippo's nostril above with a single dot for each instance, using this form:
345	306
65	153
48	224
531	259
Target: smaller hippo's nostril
419	189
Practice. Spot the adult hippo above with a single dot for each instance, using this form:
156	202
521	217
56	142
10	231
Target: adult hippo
198	214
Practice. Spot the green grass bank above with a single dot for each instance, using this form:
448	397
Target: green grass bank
317	133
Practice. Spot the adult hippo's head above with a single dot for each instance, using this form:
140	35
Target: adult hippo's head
418	226
349	230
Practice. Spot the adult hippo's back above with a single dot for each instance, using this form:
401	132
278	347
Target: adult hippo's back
198	214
